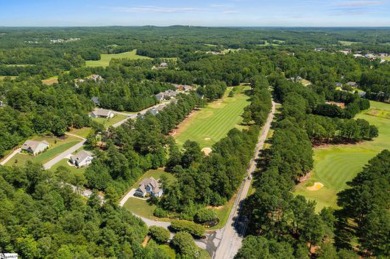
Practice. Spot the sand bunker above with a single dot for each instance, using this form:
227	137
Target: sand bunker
315	187
206	151
207	139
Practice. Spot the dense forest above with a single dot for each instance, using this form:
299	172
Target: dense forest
42	216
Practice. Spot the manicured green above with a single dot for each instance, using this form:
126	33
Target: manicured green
109	122
106	58
335	165
347	43
213	122
83	132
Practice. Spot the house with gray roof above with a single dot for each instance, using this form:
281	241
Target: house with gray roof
81	158
149	186
35	147
102	113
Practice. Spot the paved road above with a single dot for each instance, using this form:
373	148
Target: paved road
230	239
17	151
64	154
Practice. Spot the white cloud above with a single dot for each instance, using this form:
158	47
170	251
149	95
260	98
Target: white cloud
156	9
359	3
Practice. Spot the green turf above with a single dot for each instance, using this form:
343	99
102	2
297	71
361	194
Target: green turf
335	165
213	122
111	121
3	77
387	58
106	58
72	169
83	132
348	43
57	146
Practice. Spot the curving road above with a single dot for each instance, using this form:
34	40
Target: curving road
230	239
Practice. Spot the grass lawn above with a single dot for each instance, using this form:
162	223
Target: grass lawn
213	122
387	58
109	122
348	43
106	58
50	80
141	207
335	165
83	132
73	170
57	146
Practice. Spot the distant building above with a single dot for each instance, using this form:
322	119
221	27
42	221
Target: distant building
102	113
160	97
358	55
82	158
95	100
338	84
149	186
352	84
9	256
1	104
35	147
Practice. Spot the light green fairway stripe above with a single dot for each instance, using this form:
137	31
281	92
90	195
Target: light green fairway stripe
215	122
334	166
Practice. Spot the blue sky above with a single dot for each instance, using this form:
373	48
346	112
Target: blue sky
190	12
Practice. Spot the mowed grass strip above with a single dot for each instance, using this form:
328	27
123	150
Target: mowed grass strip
106	58
213	122
335	165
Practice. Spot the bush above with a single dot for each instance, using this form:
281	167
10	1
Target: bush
184	245
206	216
159	234
160	213
189	227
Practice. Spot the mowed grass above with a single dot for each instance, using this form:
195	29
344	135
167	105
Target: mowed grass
213	122
334	166
111	121
72	169
57	146
348	43
50	80
106	58
83	132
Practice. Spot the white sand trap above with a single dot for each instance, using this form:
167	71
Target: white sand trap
315	187
206	151
207	139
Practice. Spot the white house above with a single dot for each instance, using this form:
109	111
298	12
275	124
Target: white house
82	158
35	147
149	186
102	113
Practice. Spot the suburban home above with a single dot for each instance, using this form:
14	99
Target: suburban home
160	97
156	110
149	186
352	84
95	100
102	113
1	104
82	158
35	147
95	78
338	84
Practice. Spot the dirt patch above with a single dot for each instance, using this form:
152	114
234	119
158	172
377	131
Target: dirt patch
338	104
304	178
315	187
207	151
146	241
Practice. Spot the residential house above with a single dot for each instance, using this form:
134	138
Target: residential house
95	77
9	256
338	84
149	186
82	158
95	100
102	113
352	84
35	147
160	97
2	104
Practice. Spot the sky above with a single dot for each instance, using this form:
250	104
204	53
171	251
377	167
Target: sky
313	13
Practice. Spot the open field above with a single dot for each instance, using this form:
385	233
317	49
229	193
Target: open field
305	82
50	80
387	58
57	146
141	207
335	165
83	132
3	77
109	122
348	43
106	58
213	122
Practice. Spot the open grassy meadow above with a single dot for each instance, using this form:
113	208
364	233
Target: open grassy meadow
50	80
213	122
106	58
348	43
111	121
57	146
335	165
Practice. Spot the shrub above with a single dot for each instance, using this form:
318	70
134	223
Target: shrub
206	216
188	226
160	213
159	234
